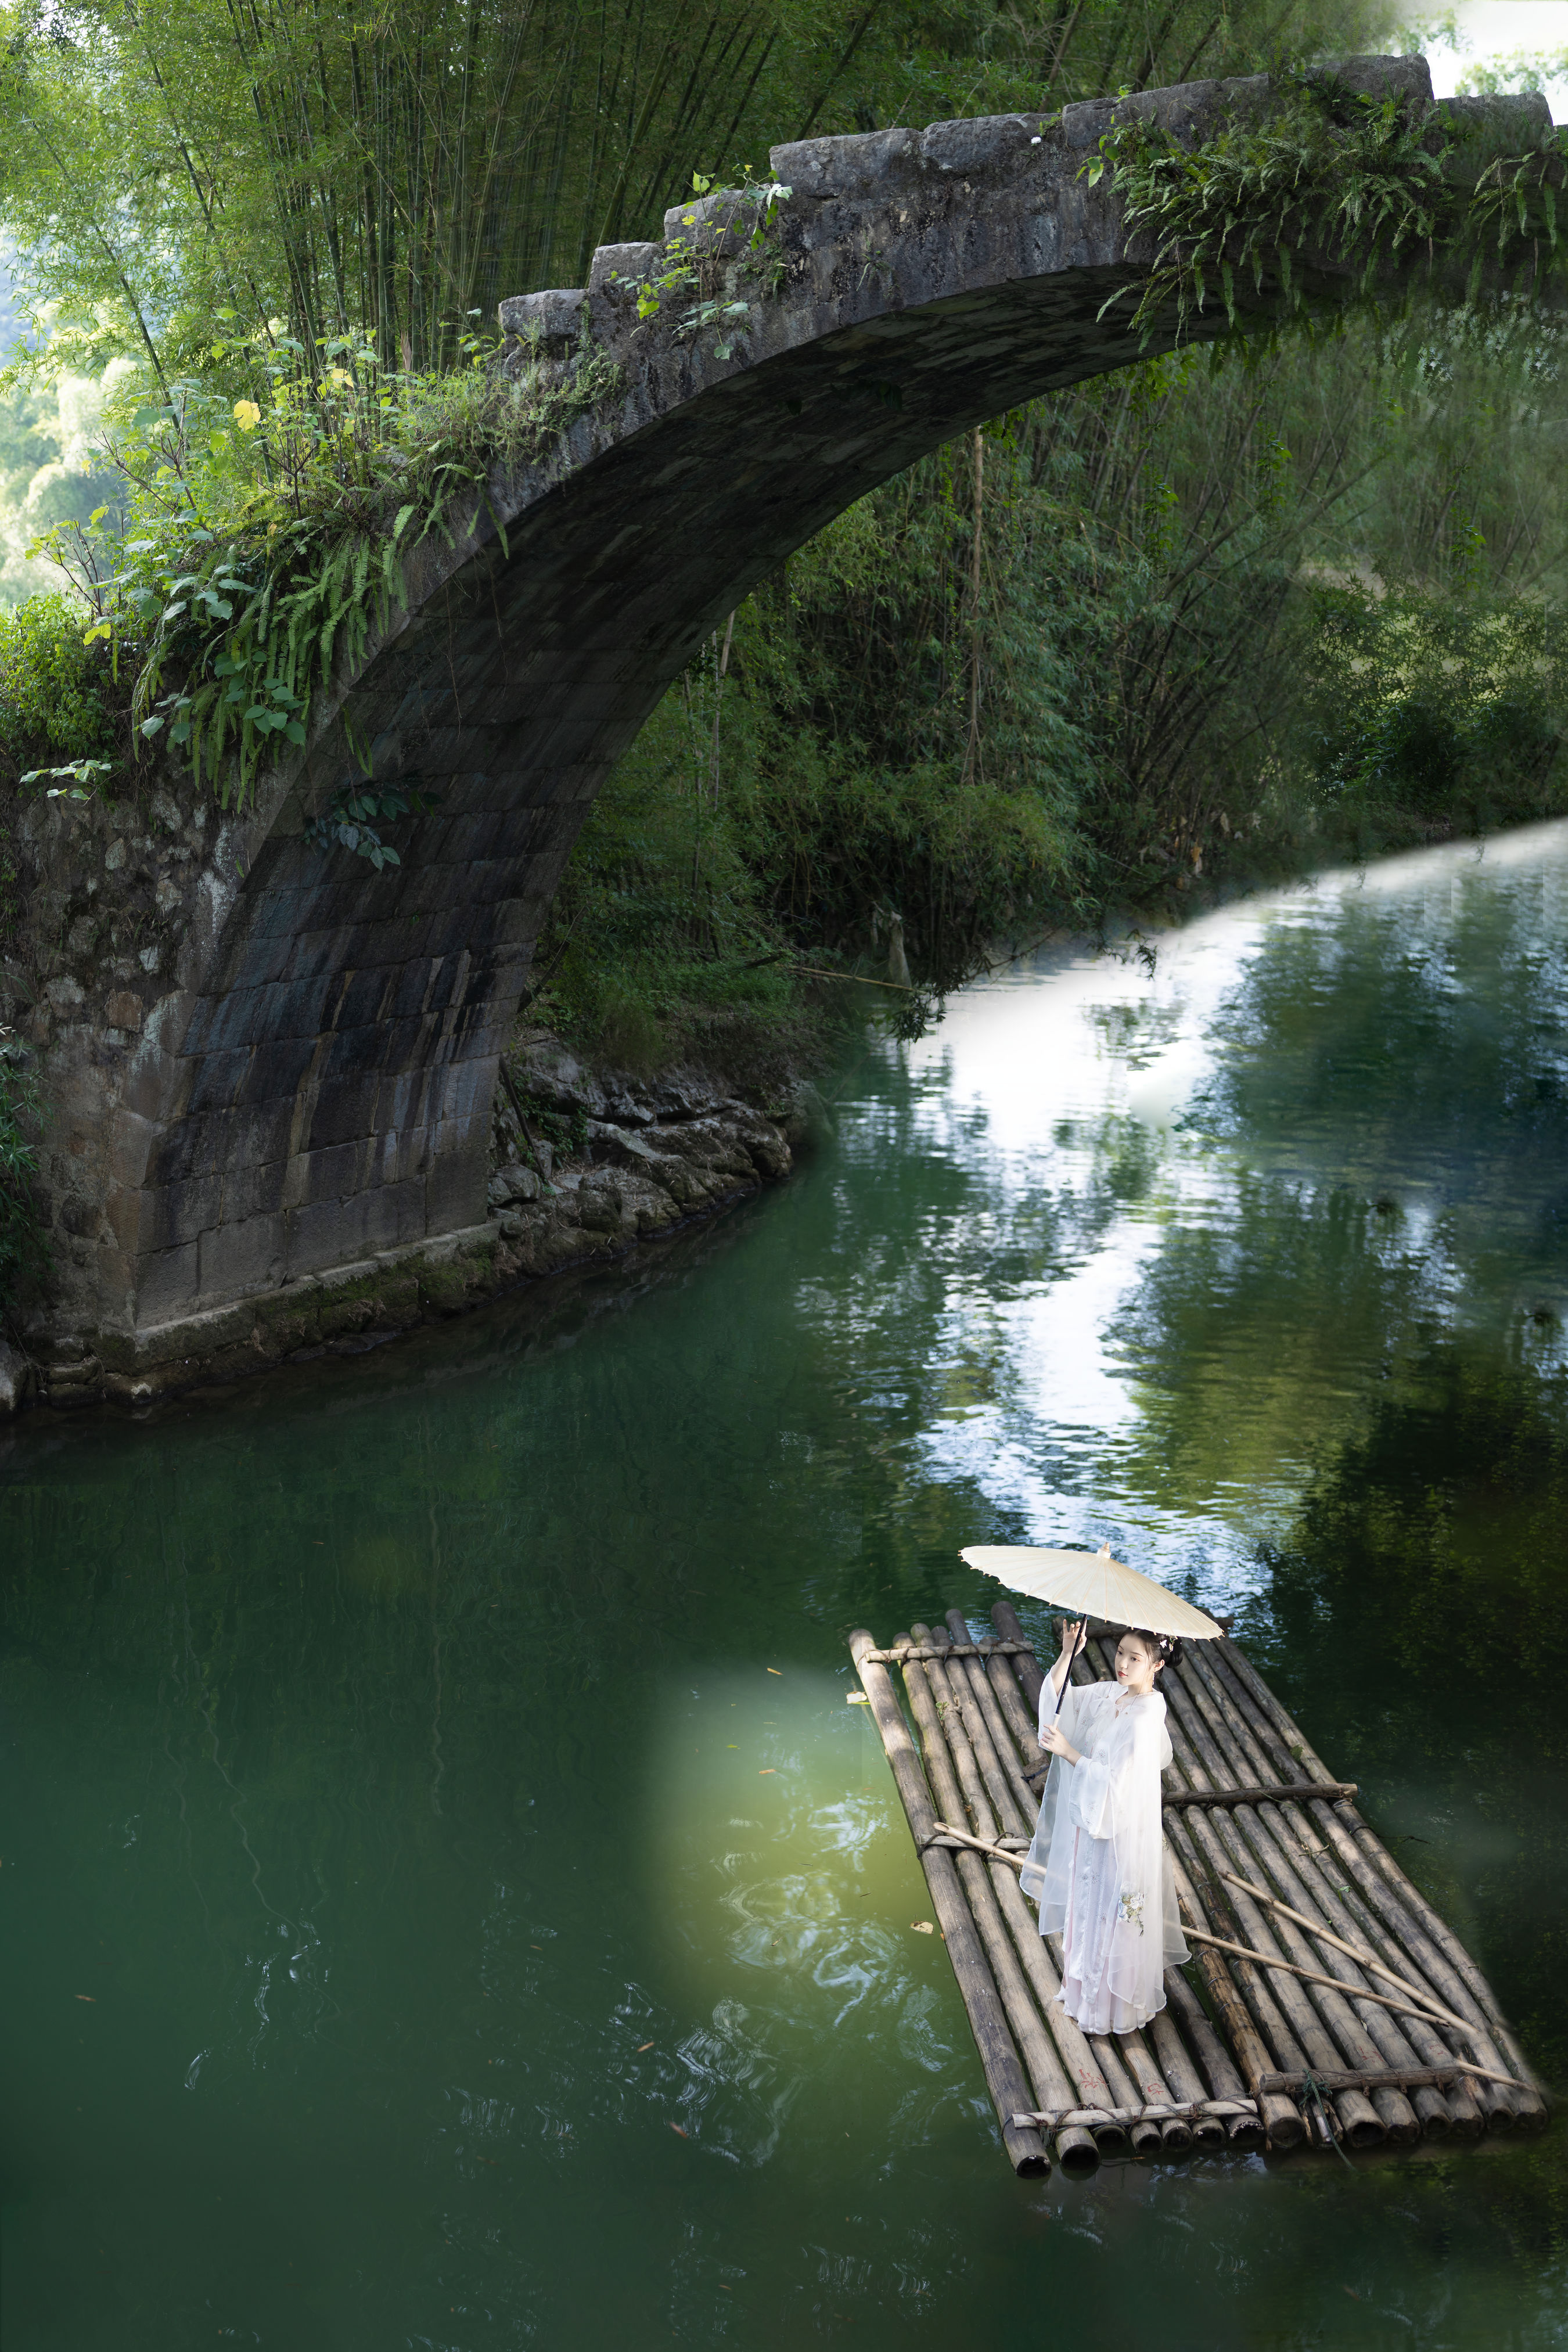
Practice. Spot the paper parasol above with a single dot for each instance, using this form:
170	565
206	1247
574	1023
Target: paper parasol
1091	1584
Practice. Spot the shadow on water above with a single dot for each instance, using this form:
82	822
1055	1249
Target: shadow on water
444	1899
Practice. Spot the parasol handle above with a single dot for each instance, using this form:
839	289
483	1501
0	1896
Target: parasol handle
1078	1645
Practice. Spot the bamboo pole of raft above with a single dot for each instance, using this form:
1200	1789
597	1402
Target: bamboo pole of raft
1358	2018
1271	1831
1391	1897
1254	1793
998	2059
1012	1800
1332	2032
1004	1617
1268	1832
1284	2122
954	1771
1344	2028
1276	1834
986	1720
1076	2150
1337	1984
1281	2120
1115	2062
1218	2067
1422	2004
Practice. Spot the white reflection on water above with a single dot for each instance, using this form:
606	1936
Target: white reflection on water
1089	1093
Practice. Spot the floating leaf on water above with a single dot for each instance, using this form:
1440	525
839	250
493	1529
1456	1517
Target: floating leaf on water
922	1927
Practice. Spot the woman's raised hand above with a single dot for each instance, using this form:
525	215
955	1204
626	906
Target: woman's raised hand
1072	1636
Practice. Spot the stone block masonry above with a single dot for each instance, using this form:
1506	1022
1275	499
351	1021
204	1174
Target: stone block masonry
653	1158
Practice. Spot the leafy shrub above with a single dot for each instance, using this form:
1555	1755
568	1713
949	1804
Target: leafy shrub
1434	713
59	700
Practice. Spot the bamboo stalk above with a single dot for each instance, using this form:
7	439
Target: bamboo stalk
1022	1720
1277	2015
1283	2119
1039	2051
1423	2003
998	2059
1014	1806
1377	1912
1352	2026
1154	2113
1181	2073
1004	1617
964	1649
1216	2060
978	1845
1391	2077
1315	1976
1175	2132
1330	2030
1269	1830
1255	1794
1439	1934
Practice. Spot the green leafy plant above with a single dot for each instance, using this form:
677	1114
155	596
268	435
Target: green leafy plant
351	816
268	536
58	697
690	269
1332	176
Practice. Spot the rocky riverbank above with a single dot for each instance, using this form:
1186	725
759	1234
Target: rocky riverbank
584	1164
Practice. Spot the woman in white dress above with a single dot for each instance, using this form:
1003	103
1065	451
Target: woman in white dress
1098	1867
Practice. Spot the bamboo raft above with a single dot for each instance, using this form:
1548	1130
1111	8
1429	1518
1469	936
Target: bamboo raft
1331	2006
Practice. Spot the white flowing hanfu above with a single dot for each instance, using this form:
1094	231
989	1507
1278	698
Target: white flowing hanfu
1098	1867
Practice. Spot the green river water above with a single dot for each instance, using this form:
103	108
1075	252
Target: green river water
445	1898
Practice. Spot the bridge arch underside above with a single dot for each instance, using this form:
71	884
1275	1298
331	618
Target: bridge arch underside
319	1088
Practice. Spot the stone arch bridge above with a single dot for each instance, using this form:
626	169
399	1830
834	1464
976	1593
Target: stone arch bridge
289	1069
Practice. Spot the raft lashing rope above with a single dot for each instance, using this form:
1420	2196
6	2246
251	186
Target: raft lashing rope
1326	2005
